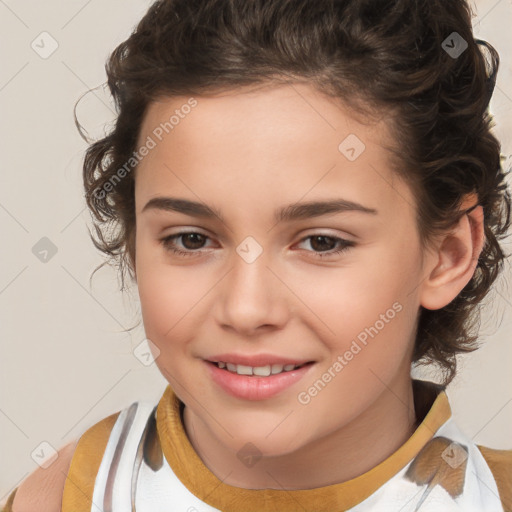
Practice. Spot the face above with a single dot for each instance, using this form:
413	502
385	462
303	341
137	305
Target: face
332	286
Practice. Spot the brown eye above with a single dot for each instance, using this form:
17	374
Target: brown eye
192	242
322	242
324	245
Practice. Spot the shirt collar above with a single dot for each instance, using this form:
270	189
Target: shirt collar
432	410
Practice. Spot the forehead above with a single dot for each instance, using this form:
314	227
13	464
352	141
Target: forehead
263	143
298	111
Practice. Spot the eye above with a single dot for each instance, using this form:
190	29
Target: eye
192	240
325	244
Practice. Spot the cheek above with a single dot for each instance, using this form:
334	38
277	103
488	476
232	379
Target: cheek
163	303
171	297
159	298
351	298
366	310
166	322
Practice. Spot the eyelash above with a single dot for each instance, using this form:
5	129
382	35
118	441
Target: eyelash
168	243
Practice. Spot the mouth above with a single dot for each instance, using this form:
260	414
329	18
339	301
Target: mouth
258	371
257	382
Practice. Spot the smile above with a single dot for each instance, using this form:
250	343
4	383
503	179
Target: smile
260	371
256	382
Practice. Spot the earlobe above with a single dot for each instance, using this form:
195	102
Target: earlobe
457	258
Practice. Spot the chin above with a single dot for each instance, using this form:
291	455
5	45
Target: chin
273	445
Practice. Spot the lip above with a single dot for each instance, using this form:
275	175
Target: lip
254	387
256	359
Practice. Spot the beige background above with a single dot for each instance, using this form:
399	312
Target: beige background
66	362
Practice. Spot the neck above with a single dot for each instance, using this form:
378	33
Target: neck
344	454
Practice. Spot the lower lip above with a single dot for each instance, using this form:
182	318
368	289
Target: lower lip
253	387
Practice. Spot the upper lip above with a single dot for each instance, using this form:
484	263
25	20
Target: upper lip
256	360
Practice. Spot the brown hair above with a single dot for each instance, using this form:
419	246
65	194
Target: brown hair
376	56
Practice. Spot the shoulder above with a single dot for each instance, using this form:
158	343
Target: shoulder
42	489
45	490
500	464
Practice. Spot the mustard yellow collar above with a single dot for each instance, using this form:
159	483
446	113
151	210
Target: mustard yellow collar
431	404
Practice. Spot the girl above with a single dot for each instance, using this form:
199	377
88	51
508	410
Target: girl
309	198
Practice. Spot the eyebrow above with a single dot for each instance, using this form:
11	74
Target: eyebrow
291	212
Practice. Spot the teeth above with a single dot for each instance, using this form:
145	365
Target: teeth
277	368
243	370
260	371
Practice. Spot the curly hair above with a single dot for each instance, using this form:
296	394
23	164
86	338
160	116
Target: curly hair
377	57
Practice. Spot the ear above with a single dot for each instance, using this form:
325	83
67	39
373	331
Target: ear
453	263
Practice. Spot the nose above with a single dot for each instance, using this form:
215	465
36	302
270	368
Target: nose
252	299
